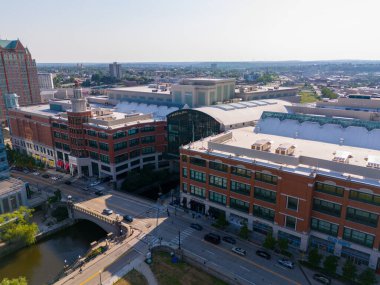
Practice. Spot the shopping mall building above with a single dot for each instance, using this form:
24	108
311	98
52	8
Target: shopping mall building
312	180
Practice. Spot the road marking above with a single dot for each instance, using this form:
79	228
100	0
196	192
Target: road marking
210	252
246	280
255	264
245	268
90	278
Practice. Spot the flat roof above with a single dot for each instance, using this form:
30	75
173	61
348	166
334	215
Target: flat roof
43	109
142	89
9	185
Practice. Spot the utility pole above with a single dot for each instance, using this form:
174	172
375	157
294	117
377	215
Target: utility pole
179	240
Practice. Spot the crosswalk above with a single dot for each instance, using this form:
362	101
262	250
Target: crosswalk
184	234
152	213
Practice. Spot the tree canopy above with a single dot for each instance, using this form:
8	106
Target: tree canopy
14	281
328	93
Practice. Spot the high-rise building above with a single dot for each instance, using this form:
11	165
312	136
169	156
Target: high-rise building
45	81
18	74
115	70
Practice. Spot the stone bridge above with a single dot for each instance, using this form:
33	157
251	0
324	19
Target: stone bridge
110	224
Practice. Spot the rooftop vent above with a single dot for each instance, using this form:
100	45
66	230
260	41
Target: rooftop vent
342	156
286	149
373	161
262	145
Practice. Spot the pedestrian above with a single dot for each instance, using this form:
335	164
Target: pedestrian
80	270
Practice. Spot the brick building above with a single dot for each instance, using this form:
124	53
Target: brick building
18	74
311	180
91	140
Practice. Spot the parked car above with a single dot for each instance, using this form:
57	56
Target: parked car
99	193
321	278
107	212
69	197
263	253
229	239
36	173
95	183
213	238
197	227
128	218
286	263
68	182
239	251
45	175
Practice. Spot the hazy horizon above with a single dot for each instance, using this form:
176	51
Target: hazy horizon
169	31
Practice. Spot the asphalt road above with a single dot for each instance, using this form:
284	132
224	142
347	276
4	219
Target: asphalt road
250	269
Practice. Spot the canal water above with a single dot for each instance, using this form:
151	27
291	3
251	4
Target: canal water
41	262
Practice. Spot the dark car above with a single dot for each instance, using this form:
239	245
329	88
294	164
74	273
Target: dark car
99	193
322	278
230	240
263	253
45	175
128	218
197	227
68	182
213	238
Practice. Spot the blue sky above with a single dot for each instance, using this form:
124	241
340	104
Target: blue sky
193	30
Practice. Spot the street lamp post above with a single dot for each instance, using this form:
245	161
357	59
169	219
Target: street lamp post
100	277
179	239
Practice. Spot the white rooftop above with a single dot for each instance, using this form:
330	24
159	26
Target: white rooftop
142	89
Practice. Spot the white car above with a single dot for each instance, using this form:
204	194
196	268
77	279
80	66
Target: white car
286	263
107	212
95	183
239	251
36	173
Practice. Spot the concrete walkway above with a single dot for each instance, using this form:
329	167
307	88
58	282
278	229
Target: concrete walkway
145	270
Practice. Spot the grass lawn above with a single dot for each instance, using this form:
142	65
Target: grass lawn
132	278
308	96
168	273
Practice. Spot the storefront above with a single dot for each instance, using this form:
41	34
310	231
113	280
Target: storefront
261	228
197	207
293	240
237	220
215	212
321	244
357	257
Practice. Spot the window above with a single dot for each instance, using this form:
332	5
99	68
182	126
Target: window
149	158
122	167
218	181
239	205
267	178
184	187
198	161
103	135
58	145
133	131
91	133
57	135
104	158
265	195
324	227
240	172
134	142
55	125
218	166
184	158
147	150
240	188
217	198
358	237
148	139
197	191
197	176
147	129
135	162
121	158
329	189
92	144
362	217
365	197
264	213
120	145
119	134
63	126
291	222
94	155
134	153
103	146
292	203
66	147
184	172
326	207
105	168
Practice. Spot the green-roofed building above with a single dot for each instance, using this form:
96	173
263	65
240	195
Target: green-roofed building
18	74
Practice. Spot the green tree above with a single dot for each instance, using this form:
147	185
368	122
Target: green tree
15	281
283	244
221	221
314	257
328	93
244	231
330	264
17	226
367	277
269	241
349	270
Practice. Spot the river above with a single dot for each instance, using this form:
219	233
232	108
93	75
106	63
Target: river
41	262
